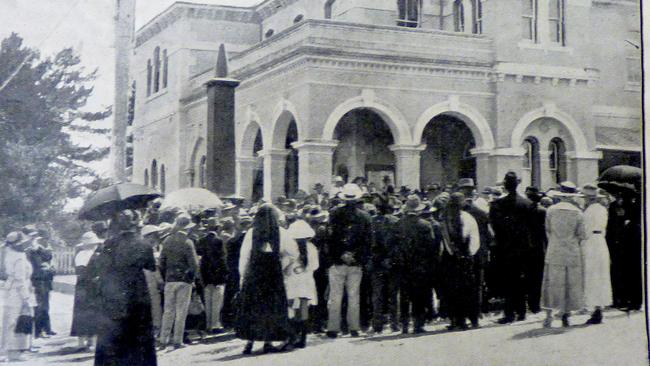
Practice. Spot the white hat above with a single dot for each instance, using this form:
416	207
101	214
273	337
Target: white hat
90	238
337	179
300	229
350	192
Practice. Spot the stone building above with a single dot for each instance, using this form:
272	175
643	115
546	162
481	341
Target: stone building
420	90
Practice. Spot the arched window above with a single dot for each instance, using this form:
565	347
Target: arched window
477	16
408	13
154	173
146	177
269	33
328	9
531	161
202	172
163	183
557	160
298	18
165	71
149	76
459	16
156	73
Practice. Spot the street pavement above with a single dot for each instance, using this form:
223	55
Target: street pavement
620	341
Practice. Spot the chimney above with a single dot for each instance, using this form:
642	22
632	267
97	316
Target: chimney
221	155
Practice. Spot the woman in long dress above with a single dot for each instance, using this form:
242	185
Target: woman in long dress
267	250
598	282
562	286
299	281
84	311
18	295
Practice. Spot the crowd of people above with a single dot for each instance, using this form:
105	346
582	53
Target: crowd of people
389	259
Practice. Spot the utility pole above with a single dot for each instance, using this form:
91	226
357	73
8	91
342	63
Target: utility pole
124	34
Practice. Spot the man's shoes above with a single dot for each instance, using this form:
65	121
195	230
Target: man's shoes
565	320
419	330
596	318
248	349
50	333
394	327
331	334
268	348
506	320
178	346
548	322
354	333
216	331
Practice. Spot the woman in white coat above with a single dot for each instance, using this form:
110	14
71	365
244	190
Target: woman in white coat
299	281
18	295
595	254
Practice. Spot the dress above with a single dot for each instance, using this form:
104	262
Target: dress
85	309
299	282
125	330
598	284
562	287
16	291
262	305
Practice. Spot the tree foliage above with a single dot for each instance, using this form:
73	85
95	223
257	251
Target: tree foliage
40	106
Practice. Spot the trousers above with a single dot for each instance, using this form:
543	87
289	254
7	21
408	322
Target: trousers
213	304
348	279
177	303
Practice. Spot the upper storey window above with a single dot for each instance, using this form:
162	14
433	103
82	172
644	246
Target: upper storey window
544	22
529	20
408	13
556	21
328	8
157	72
468	16
459	16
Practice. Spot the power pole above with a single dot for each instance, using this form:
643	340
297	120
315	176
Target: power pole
124	34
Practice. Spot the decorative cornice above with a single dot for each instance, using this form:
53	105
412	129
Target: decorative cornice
539	73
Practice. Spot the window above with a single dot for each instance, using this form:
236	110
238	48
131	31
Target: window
154	173
477	16
531	161
328	9
149	76
165	69
459	16
529	20
408	12
156	73
269	33
557	161
163	183
556	21
202	172
298	18
146	177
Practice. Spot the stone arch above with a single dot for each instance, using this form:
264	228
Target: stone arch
389	114
470	116
247	142
285	113
550	111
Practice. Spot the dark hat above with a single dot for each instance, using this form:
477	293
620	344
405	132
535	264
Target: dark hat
568	187
466	183
318	185
413	204
532	190
511	177
433	187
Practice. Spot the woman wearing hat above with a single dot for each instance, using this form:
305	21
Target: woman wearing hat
84	310
18	295
598	283
562	286
299	280
267	250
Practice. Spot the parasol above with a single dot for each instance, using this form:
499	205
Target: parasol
621	178
102	204
191	199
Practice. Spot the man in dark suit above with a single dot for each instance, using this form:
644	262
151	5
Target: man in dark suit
510	217
535	257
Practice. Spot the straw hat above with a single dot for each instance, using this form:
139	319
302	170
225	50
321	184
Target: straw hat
300	229
350	192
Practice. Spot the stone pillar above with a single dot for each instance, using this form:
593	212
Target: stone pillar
275	161
585	167
407	165
221	155
245	175
502	161
546	179
484	173
315	163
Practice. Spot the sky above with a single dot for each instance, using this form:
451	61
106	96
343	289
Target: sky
87	26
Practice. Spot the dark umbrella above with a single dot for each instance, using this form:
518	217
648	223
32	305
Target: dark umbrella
621	178
102	204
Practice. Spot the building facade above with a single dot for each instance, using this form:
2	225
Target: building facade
422	91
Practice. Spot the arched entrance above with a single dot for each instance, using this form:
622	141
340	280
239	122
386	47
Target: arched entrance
363	149
258	170
291	165
447	156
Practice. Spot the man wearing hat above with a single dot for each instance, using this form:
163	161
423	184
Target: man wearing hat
510	217
179	268
233	248
348	248
538	243
337	186
210	249
40	256
415	263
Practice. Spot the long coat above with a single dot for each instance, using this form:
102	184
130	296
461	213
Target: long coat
125	330
85	307
16	291
562	287
598	283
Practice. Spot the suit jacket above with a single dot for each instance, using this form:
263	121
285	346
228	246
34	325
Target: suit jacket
178	260
510	217
416	253
351	231
213	260
384	246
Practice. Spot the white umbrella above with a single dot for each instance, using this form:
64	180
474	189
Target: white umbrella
190	199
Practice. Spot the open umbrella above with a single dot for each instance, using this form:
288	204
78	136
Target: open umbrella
190	199
102	204
621	178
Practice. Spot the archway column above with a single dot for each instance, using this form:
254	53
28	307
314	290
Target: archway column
546	180
245	175
315	163
584	166
502	161
483	170
275	160
407	164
